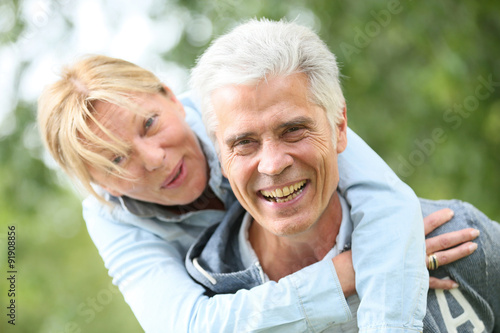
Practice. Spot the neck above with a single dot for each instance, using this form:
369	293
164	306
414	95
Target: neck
283	255
207	200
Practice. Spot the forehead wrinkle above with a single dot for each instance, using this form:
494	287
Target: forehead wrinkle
281	116
237	128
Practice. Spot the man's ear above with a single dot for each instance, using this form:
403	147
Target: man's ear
342	132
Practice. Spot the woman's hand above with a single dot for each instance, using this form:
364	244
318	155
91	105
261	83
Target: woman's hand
345	272
447	247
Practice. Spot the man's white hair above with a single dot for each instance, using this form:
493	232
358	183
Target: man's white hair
262	49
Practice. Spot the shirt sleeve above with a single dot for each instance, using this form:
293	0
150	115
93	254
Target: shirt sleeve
388	246
151	275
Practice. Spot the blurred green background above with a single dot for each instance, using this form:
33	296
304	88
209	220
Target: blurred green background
422	82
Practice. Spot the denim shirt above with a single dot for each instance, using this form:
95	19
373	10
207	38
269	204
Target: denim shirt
144	246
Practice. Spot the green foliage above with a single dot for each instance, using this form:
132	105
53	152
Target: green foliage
420	74
414	78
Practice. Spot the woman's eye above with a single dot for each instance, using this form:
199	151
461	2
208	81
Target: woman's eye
149	122
117	160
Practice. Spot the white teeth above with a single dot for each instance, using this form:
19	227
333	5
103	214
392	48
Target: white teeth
284	194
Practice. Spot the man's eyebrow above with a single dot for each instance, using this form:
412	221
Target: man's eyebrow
236	137
299	121
302	120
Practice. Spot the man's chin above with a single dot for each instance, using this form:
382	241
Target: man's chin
286	226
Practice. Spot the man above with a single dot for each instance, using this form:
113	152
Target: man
278	135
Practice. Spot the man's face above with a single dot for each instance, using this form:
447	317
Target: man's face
166	163
278	152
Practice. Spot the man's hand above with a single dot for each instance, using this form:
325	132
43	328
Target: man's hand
447	247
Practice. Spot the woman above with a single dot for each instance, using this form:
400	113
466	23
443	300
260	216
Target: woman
155	184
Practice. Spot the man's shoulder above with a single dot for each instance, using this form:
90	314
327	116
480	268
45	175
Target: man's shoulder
228	228
431	206
458	206
215	255
465	214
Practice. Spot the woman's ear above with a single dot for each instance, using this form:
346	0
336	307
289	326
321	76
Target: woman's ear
171	96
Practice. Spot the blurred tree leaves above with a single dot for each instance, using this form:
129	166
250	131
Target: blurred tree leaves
410	69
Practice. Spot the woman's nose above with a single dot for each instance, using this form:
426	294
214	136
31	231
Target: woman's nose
151	154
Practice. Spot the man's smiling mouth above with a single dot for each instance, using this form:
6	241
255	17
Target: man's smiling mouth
284	194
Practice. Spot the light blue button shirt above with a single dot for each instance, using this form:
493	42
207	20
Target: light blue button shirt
143	247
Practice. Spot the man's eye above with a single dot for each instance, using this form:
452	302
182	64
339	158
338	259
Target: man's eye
294	133
242	143
244	146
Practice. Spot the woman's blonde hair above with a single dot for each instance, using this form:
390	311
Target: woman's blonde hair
66	109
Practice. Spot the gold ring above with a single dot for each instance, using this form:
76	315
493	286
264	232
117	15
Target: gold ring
433	262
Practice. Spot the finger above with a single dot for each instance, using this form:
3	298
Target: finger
451	255
435	283
434	220
450	239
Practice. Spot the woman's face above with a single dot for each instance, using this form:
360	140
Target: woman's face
166	164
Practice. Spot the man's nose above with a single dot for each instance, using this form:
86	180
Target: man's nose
273	159
151	154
